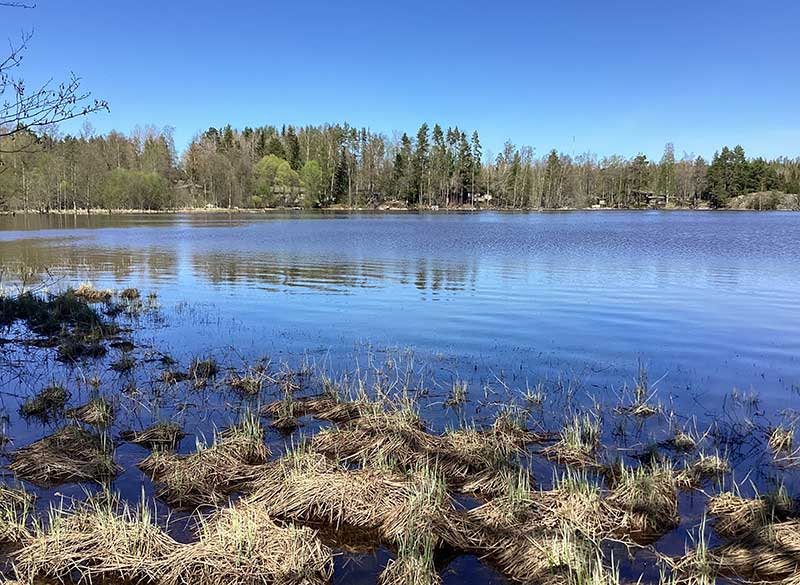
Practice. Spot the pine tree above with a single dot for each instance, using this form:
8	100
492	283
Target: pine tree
477	157
275	147
421	163
293	149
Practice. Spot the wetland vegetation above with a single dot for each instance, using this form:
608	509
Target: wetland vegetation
538	482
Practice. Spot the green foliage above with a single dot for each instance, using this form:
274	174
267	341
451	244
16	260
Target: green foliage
275	181
337	163
313	184
123	188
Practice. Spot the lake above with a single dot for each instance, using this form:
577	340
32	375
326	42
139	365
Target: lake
708	300
705	302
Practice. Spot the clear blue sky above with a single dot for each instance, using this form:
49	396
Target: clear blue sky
606	76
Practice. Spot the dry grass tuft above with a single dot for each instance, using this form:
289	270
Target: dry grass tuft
324	407
15	508
172	377
649	498
162	436
90	294
781	440
97	412
94	541
250	383
413	566
242	545
205	477
682	442
736	517
704	468
70	454
771	554
46	403
309	488
578	442
130	294
203	370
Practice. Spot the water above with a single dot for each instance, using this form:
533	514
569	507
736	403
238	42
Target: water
706	301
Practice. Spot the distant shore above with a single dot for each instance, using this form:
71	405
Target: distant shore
269	210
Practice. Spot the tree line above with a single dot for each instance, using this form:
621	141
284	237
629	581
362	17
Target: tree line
340	165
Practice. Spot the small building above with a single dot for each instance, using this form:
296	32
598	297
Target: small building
648	199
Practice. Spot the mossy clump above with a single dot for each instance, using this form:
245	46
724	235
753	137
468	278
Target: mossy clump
124	364
48	315
46	403
71	454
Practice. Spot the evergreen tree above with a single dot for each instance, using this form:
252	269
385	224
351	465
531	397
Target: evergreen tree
421	163
275	148
293	149
341	177
477	157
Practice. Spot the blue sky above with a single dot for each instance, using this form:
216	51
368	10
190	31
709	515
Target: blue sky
610	77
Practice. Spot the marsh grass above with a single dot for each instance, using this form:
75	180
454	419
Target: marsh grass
46	403
781	440
90	294
98	412
578	441
16	506
157	437
70	454
242	545
101	538
214	471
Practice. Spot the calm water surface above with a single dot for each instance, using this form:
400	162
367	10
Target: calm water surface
708	300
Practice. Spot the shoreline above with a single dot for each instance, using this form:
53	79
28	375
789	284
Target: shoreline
371	210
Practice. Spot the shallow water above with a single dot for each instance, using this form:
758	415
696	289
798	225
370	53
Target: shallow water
707	302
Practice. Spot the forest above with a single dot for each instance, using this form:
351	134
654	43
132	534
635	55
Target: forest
344	166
